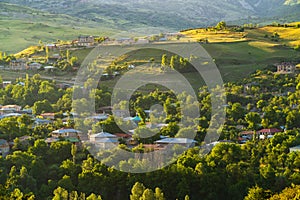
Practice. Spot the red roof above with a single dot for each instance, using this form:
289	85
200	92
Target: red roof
247	132
269	130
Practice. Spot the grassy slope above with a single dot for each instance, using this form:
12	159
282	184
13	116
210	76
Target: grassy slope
21	27
235	58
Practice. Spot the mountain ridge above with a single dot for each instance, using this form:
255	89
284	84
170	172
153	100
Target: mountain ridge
56	19
171	14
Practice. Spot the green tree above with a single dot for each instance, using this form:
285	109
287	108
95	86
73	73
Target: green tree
293	119
137	191
60	194
94	197
66	183
40	107
173	62
159	195
73	152
257	193
221	25
148	195
164	62
47	53
236	112
288	193
16	194
253	119
145	135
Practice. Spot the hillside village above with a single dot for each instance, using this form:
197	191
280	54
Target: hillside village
44	126
52	52
47	56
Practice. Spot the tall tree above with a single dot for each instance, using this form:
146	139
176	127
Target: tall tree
137	191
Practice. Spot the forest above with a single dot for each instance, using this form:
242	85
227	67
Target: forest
258	169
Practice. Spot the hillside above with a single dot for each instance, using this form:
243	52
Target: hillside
237	54
21	27
23	22
170	14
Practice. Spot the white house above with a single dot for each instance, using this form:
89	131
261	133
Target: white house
99	136
104	140
86	41
6	83
34	66
267	133
107	143
296	148
66	132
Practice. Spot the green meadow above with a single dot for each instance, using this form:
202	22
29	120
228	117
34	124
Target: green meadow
21	27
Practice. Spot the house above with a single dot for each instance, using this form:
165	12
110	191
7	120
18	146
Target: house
107	143
27	111
86	41
65	133
125	41
142	41
179	141
136	119
286	68
247	135
50	68
39	121
104	140
267	133
63	86
5	83
4	147
99	117
11	115
48	116
296	149
51	46
10	109
163	39
21	83
19	64
99	136
34	66
53	59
